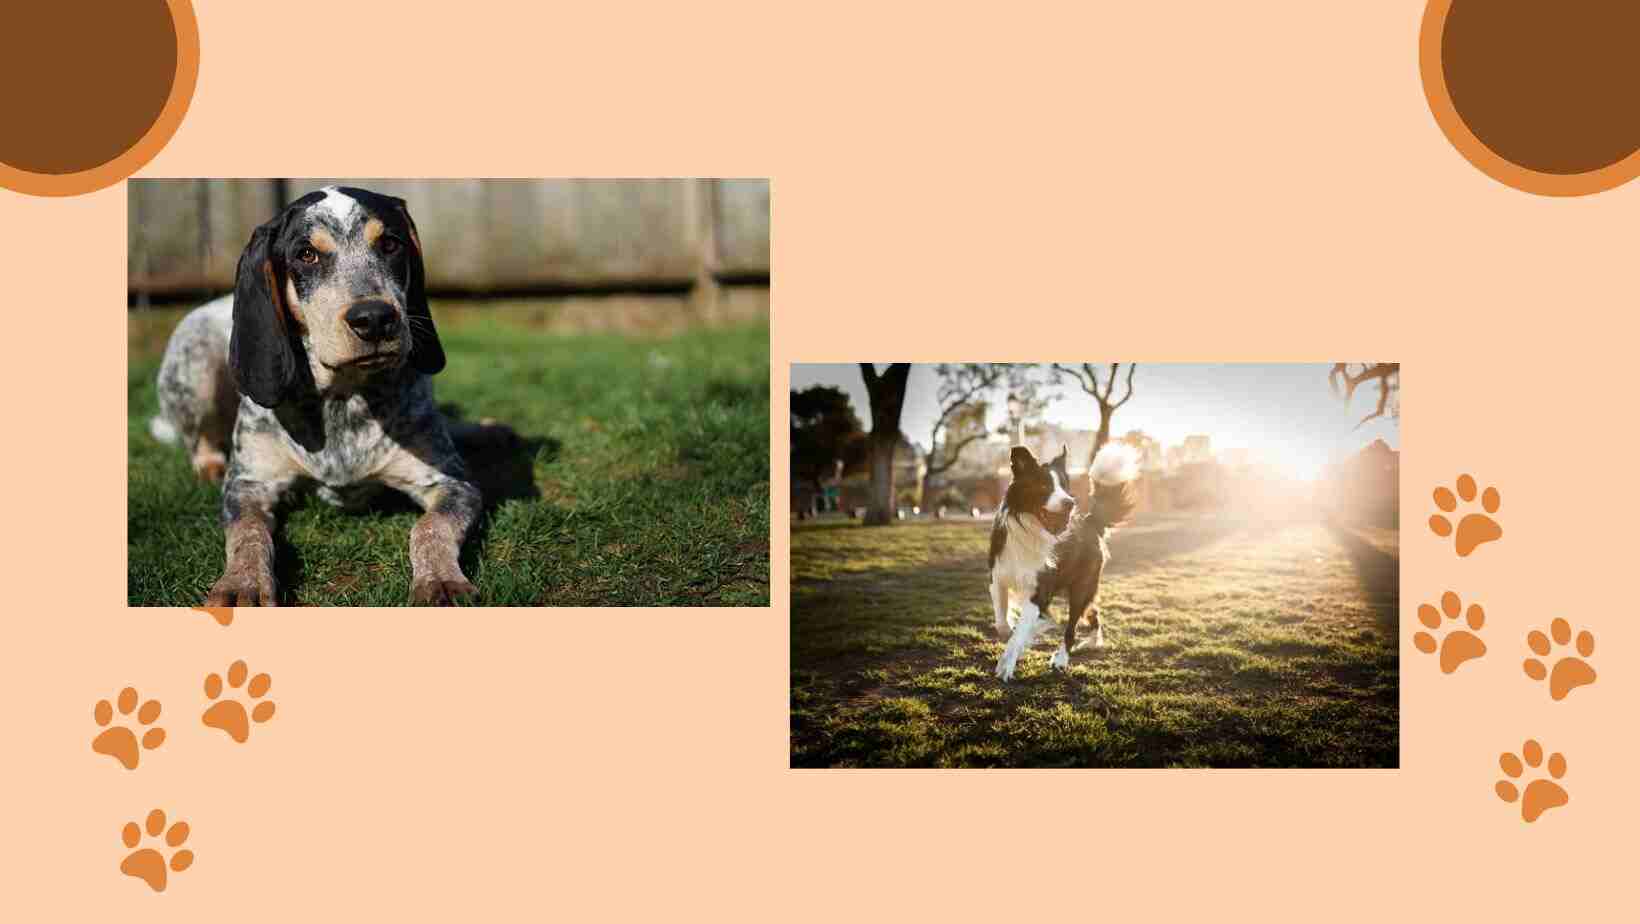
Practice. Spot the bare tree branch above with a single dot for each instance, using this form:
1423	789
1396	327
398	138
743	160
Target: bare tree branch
1088	378
1344	382
1129	394
959	386
951	456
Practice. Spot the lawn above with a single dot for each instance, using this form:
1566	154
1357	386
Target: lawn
642	478
1229	644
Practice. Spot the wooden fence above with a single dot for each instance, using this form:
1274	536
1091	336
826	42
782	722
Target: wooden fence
481	236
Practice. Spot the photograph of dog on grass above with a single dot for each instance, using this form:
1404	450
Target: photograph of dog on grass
498	392
1095	565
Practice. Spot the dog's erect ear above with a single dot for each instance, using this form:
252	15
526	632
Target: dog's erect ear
1021	460
1060	460
260	351
426	352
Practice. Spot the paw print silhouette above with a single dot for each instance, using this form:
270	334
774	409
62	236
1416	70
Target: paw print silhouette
119	741
222	614
148	863
1541	795
1475	529
1570	671
1458	645
230	714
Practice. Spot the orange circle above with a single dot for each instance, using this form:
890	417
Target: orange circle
1488	161
110	171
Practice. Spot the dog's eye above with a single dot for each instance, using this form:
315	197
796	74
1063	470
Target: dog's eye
308	255
390	245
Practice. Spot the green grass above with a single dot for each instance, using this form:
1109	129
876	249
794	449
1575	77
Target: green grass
643	479
1229	644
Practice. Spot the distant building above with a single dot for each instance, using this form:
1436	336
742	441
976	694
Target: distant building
1366	487
1197	449
1151	456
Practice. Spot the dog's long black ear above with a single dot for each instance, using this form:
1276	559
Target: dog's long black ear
260	350
426	352
1021	460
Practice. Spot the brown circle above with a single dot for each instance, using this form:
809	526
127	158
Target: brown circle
1537	94
83	81
1547	84
91	90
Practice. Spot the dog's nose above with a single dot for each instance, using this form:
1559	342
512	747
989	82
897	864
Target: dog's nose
372	320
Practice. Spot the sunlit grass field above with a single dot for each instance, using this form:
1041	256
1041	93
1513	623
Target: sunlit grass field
1230	643
642	478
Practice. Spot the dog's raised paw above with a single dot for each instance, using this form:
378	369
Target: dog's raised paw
1541	795
1570	671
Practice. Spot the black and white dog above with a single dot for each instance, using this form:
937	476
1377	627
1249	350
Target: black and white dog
1040	545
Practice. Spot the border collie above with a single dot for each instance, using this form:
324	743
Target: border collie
1039	546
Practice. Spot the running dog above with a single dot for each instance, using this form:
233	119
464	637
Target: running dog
1040	545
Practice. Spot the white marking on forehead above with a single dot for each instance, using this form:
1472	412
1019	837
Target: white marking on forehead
1061	497
340	205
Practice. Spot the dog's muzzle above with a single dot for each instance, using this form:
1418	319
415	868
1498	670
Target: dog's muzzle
1055	522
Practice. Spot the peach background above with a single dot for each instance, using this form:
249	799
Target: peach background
1261	181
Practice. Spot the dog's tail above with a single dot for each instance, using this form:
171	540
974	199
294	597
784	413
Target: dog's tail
1114	498
163	430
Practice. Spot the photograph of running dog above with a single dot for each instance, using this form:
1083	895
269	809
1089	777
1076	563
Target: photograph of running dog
1095	565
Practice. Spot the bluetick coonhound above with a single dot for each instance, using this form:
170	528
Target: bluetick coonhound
317	370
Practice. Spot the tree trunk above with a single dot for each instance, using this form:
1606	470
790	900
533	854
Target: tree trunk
1099	441
887	394
883	508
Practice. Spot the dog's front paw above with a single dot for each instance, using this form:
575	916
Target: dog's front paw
1061	660
440	592
244	586
1005	666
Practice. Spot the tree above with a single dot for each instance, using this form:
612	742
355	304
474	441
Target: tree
825	431
1088	378
962	411
887	393
1345	378
1025	401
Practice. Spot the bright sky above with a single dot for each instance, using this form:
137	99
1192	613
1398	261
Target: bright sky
1283	412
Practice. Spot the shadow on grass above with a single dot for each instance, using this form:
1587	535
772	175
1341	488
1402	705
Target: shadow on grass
1379	574
1238	642
499	462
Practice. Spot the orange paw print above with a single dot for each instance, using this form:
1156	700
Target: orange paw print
229	714
1475	529
222	614
1541	795
1570	671
148	863
1459	645
120	742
